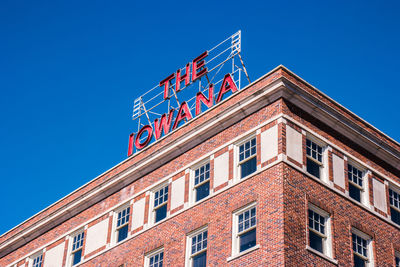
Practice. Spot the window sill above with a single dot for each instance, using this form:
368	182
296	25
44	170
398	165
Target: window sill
316	252
243	253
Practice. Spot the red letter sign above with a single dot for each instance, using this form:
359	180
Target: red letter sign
166	82
200	97
149	130
197	64
179	78
164	124
184	112
227	84
130	145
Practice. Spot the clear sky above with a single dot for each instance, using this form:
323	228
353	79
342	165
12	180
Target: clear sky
70	70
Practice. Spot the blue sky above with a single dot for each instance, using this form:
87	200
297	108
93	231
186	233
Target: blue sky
70	70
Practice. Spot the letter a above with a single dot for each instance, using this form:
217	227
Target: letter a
184	112
227	85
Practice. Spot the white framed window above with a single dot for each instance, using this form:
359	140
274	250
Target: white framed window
154	258
77	247
319	230
246	157
244	229
200	181
315	157
159	203
196	248
36	260
122	216
394	202
357	182
362	248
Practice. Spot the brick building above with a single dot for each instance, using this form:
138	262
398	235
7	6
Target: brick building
277	174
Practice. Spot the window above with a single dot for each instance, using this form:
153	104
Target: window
37	260
248	157
155	259
244	229
160	204
394	200
202	182
362	252
355	177
77	244
314	158
319	234
197	249
122	224
397	259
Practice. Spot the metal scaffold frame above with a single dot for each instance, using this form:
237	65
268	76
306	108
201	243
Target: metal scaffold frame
223	58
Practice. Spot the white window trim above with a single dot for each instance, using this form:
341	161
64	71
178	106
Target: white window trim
151	254
189	258
365	187
114	239
397	190
70	243
363	235
35	255
324	164
152	213
192	191
327	245
236	151
235	234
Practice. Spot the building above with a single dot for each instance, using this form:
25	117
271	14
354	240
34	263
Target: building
276	174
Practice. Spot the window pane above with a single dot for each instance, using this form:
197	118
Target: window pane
202	174
199	242
157	260
248	167
77	257
354	175
354	192
161	196
202	191
122	233
78	241
123	216
247	240
161	213
358	261
200	260
313	168
247	149
247	219
313	150
359	245
316	242
395	215
394	198
37	262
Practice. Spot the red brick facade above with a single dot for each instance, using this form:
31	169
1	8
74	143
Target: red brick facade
281	188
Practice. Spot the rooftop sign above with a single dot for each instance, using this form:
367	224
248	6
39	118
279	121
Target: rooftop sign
202	82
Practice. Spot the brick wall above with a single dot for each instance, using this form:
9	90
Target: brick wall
281	188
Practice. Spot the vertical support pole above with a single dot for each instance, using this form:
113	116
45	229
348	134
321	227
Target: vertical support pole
240	76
